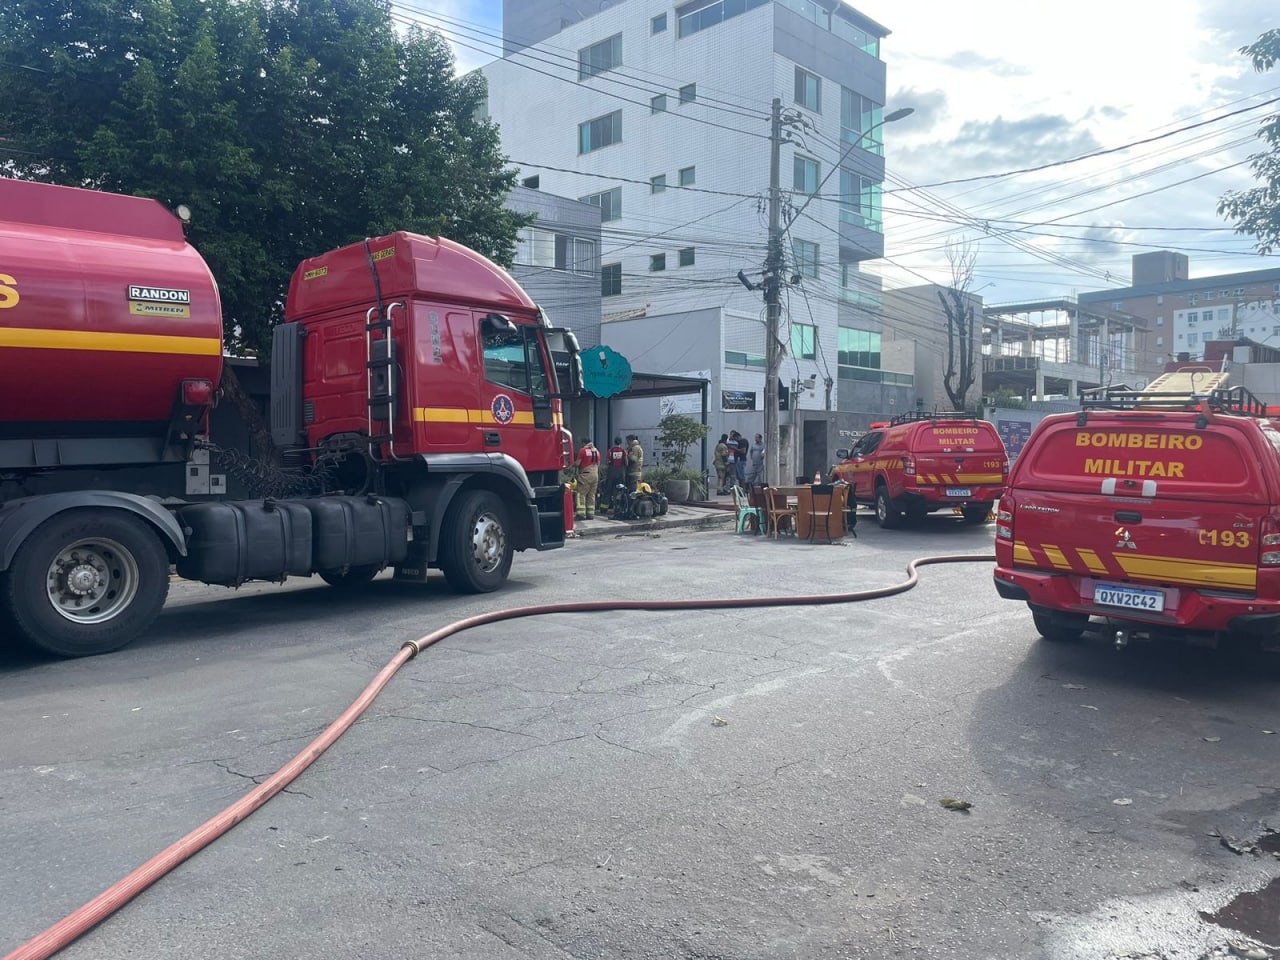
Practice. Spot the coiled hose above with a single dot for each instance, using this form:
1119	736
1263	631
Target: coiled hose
84	918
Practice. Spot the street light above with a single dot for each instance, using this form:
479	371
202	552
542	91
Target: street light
773	275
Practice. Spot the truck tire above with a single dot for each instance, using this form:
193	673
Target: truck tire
1061	627
888	515
354	578
977	514
475	546
86	582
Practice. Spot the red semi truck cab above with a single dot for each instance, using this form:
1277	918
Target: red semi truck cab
416	392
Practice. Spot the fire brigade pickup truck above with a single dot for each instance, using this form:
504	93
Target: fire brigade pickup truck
921	462
1156	511
416	396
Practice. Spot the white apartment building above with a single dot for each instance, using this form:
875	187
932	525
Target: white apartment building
659	115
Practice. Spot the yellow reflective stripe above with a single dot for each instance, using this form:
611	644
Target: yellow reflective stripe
31	339
1056	556
1243	576
1091	560
979	478
462	415
1022	553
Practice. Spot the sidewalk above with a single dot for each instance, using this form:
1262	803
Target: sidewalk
678	515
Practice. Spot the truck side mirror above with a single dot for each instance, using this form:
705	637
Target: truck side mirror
563	347
842	454
500	323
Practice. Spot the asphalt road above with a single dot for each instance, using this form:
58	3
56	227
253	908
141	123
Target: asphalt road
560	787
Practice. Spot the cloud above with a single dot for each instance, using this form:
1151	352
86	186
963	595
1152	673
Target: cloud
930	109
993	146
972	60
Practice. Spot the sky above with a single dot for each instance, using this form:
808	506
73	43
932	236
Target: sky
997	86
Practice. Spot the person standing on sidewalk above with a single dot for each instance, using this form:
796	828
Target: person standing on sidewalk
616	458
635	463
721	463
755	467
588	480
743	451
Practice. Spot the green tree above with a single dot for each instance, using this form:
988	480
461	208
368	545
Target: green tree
289	127
1257	211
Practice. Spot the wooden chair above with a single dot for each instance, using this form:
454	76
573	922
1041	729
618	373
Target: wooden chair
822	517
779	510
747	515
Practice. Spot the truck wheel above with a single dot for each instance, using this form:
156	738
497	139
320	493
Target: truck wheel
1060	628
354	578
86	582
887	513
976	514
475	550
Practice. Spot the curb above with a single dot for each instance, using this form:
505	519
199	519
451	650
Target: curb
620	528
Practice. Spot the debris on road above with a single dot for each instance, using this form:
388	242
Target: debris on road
960	806
719	722
1122	802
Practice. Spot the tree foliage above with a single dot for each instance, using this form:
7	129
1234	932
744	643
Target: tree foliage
289	127
1257	211
963	329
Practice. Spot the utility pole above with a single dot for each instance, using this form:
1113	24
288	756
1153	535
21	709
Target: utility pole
773	301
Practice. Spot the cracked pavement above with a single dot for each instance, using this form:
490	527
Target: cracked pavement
555	787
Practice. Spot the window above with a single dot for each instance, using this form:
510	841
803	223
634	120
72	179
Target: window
658	104
1117	305
600	57
860	119
512	358
1159	321
806	258
1239	292
658	24
804	338
600	132
1192	339
535	248
808	90
609	202
687	176
688	93
738	358
657	262
1160	300
1159	341
859	348
575	253
1194	316
1224	314
701	14
658	184
686	257
805	175
860	201
1193	299
531	182
611	280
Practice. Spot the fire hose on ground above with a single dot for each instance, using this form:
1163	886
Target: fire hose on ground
81	920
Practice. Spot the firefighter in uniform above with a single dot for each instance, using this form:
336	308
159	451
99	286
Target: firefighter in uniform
635	463
588	480
616	458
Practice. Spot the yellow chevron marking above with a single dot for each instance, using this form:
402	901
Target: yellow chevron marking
1091	560
1056	556
1241	576
1022	553
108	342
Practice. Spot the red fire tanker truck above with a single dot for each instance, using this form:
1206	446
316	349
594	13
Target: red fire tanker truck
415	393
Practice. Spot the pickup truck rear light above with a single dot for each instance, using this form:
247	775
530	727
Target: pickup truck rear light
1004	469
1270	556
197	393
908	466
1004	518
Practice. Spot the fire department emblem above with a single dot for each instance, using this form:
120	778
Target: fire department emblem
503	409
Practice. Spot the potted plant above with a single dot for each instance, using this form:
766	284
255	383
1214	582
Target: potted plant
676	434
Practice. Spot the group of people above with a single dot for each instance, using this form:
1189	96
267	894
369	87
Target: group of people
738	461
625	466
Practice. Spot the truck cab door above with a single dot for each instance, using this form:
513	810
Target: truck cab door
864	472
517	389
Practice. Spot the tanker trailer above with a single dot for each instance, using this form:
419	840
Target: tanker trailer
415	387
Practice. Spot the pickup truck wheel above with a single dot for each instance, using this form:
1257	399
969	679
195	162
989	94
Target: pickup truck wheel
887	513
353	579
1060	628
86	582
976	515
475	547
